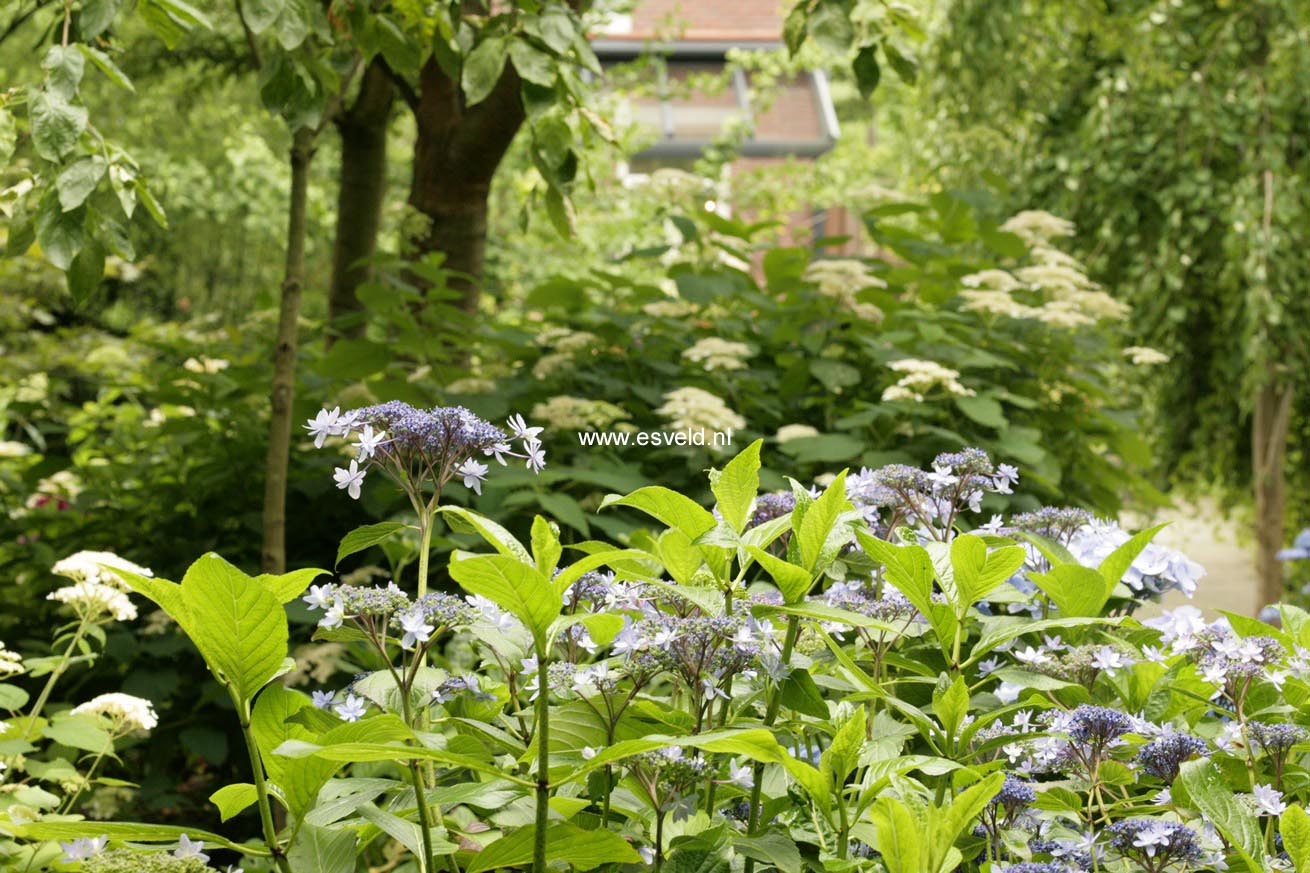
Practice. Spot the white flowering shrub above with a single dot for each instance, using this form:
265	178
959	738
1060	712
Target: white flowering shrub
879	674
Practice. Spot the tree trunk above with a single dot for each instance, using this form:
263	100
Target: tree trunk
362	189
1269	427
274	554
456	153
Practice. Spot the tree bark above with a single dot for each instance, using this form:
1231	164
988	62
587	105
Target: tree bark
456	153
362	189
274	553
1269	428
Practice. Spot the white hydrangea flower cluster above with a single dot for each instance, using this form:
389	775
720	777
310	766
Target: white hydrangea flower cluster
1072	299
129	714
97	590
92	600
789	432
205	365
842	279
713	353
920	377
699	411
671	308
576	413
11	449
565	344
1144	356
98	567
11	663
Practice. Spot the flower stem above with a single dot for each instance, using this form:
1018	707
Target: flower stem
261	785
44	697
770	716
543	764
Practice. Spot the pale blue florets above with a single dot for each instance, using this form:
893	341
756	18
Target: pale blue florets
1155	842
414	446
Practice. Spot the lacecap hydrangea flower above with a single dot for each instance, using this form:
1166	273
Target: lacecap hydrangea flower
127	713
413	446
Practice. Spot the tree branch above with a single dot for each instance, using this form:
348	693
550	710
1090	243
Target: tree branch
406	90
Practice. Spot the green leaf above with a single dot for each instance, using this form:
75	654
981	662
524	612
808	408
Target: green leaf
1294	825
55	124
830	27
546	548
60	234
580	849
801	694
898	837
322	850
697	861
96	17
978	572
366	537
843	755
237	624
984	410
133	832
64	66
86	271
1206	793
8	137
1077	591
736	485
517	588
951	704
106	65
1116	564
867	72
794	582
533	64
466	520
232	799
84	732
773	848
669	507
288	586
482	68
817	525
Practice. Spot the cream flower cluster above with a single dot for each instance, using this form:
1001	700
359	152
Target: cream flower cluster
920	377
11	663
205	365
697	410
713	353
789	432
98	567
1144	356
671	308
842	279
129	714
576	413
92	600
11	449
566	343
1070	298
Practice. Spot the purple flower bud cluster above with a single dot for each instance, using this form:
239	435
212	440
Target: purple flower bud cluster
1163	756
1057	523
859	598
389	607
1014	794
1155	843
1034	867
771	506
417	446
454	687
1276	739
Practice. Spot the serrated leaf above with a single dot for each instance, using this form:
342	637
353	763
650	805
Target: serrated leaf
736	485
482	68
1206	793
519	589
322	850
581	849
77	180
366	537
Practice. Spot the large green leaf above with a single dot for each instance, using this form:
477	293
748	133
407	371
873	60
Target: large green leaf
1206	792
322	850
579	849
815	532
668	507
1078	591
288	586
978	572
233	799
794	582
238	625
134	832
1294	825
461	519
518	588
899	837
736	485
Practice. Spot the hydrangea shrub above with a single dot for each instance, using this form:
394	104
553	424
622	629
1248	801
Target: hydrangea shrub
871	673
